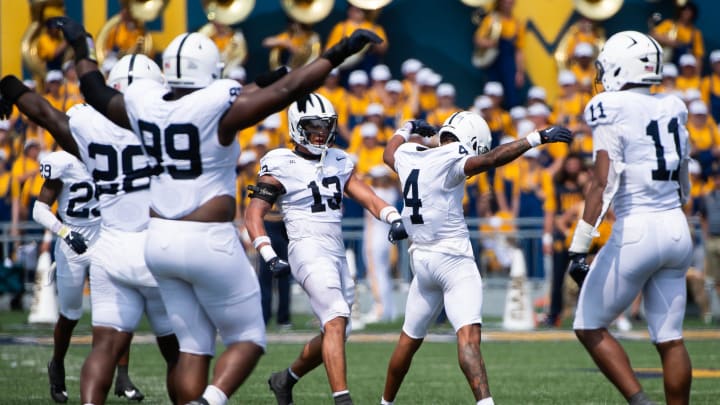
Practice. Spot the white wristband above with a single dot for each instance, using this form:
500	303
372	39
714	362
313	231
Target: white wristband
389	214
260	240
404	131
547	239
534	138
267	253
582	238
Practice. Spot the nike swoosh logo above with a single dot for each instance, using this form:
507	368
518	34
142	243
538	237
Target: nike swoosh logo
339	158
550	129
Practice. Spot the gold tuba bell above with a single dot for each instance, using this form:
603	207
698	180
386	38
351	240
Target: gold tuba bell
227	13
304	12
484	57
40	11
141	11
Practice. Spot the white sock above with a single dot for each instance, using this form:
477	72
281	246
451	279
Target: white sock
214	395
337	394
486	401
383	401
293	375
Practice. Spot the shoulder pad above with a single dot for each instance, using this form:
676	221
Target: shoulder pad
54	165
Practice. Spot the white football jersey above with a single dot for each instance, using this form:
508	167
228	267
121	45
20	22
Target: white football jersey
77	206
433	186
646	139
181	138
116	161
312	203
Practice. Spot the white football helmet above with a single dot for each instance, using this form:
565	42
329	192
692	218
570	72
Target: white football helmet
470	129
312	110
191	61
132	67
629	57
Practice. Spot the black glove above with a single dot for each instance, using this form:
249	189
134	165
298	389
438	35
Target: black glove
76	242
267	78
422	128
555	133
578	267
397	231
278	267
350	46
76	36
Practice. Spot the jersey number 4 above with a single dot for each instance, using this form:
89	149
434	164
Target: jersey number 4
181	142
653	130
411	196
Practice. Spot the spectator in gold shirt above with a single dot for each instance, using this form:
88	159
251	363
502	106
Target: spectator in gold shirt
379	75
710	86
397	110
669	80
124	38
358	98
570	104
338	96
357	18
446	105
581	65
682	35
704	136
51	47
689	73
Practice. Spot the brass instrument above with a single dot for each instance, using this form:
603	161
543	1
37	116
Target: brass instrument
304	12
594	10
141	11
484	57
228	12
40	11
372	10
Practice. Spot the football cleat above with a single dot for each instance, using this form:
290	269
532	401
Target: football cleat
125	388
199	401
56	374
281	384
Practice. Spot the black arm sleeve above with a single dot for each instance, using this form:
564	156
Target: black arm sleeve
266	192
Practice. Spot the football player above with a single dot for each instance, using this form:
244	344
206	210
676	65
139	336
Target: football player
640	145
121	286
308	184
433	186
189	131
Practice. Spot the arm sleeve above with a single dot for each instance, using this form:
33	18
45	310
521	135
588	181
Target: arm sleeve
43	216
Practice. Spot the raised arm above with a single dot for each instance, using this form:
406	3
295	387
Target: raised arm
250	108
419	127
39	110
106	100
510	151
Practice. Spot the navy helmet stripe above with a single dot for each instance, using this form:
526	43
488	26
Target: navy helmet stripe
130	68
179	52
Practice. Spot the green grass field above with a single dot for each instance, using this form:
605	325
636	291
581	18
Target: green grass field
520	372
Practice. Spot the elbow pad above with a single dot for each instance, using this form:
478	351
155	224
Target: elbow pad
97	94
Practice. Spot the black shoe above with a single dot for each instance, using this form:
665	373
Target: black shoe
343	399
56	375
125	388
281	384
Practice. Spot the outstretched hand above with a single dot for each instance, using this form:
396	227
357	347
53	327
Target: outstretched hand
76	36
351	45
422	128
555	133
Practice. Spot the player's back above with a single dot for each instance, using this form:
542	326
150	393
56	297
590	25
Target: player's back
312	203
433	186
181	136
646	135
77	205
118	166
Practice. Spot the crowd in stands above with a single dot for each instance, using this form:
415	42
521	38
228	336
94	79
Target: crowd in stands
546	183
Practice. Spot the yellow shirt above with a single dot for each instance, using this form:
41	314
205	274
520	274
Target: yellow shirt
568	111
710	84
31	189
338	98
684	83
685	35
383	135
367	159
20	167
398	113
427	100
499	120
357	106
71	90
705	137
122	38
346	28
437	116
5	184
512	29
47	46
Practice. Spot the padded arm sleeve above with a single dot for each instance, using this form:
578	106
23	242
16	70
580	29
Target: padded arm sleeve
43	216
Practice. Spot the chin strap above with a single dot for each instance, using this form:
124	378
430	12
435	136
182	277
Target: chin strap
319	164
